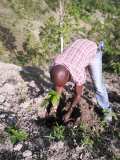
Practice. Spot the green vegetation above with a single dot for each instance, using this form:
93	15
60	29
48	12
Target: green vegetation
80	135
49	37
108	31
33	50
87	141
90	5
16	135
57	133
83	135
53	97
2	48
27	8
102	17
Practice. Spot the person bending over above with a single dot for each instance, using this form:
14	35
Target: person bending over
71	65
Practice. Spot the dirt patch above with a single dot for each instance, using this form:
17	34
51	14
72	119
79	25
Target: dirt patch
20	104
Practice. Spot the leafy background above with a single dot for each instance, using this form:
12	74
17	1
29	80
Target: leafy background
30	30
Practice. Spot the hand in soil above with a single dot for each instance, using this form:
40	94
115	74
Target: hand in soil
52	111
66	117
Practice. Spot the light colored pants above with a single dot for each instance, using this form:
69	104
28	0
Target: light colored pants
95	68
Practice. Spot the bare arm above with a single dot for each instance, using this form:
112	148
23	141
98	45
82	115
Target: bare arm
76	100
78	93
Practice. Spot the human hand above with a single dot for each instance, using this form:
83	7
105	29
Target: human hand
66	117
51	111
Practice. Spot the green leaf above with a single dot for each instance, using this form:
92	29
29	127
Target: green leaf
13	139
16	135
54	100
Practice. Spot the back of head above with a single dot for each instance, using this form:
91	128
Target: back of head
59	75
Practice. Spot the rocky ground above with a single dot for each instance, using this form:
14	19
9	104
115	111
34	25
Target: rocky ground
21	93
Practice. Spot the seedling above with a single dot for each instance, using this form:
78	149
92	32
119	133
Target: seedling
53	97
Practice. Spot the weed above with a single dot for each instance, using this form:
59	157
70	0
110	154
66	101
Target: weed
57	132
16	135
116	157
87	141
116	67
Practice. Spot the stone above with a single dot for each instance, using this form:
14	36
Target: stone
2	127
2	115
18	147
27	153
2	99
18	92
60	145
29	158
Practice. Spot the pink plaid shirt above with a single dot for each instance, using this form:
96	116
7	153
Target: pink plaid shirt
76	57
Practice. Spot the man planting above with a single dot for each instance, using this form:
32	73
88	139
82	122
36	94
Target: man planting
71	65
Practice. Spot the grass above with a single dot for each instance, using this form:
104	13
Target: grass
27	8
58	132
16	135
87	141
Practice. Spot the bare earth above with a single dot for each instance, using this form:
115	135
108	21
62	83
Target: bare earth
21	93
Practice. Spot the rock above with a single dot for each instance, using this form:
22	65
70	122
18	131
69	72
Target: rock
78	148
17	87
8	117
29	158
2	127
18	147
2	99
2	115
11	120
60	144
57	146
20	93
27	153
7	145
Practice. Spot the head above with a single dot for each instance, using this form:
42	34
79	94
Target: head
59	75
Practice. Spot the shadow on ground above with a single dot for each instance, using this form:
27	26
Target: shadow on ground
30	73
7	38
